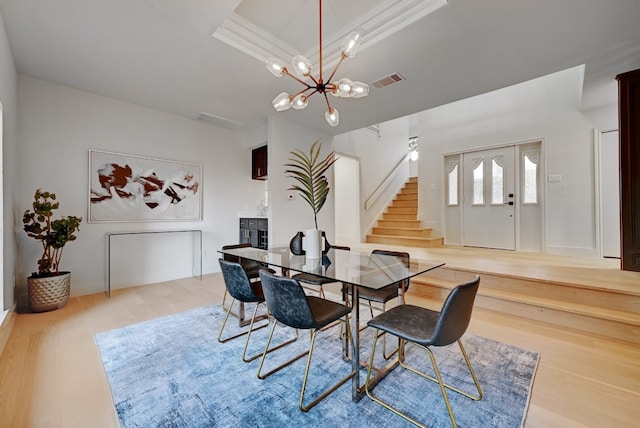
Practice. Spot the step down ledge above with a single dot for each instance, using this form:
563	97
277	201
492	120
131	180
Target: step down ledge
574	308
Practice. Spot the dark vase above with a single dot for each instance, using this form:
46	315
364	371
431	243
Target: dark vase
296	244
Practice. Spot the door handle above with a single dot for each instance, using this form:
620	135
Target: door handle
508	203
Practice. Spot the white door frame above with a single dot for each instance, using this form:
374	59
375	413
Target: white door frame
494	225
542	189
600	217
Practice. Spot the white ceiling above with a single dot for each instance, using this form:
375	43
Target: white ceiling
161	53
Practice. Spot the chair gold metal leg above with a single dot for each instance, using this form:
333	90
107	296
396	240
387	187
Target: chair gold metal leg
259	354
267	350
376	399
224	323
306	376
242	321
384	342
246	343
224	299
437	379
451	387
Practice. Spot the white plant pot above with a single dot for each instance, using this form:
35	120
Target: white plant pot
312	244
49	293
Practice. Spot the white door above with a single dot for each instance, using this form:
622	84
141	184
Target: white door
489	198
610	191
346	173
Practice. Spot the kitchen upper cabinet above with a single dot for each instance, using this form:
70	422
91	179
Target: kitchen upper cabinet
259	163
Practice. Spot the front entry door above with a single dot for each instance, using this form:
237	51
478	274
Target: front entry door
489	198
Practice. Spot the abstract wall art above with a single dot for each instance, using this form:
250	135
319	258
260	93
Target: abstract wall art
128	188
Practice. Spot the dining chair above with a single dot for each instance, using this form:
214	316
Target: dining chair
425	329
251	267
383	295
289	305
240	288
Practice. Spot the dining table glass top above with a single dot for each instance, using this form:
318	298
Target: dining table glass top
353	267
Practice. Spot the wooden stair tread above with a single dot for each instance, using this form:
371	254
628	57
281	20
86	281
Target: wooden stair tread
431	238
403	209
410	229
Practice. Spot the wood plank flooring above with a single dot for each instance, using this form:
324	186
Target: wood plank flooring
51	374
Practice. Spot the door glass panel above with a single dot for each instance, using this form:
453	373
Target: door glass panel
452	182
497	182
478	182
530	178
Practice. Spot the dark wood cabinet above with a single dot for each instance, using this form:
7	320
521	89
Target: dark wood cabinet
259	163
629	124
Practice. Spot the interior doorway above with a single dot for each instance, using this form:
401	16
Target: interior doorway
346	172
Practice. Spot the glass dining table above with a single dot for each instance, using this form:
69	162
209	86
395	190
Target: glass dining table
354	269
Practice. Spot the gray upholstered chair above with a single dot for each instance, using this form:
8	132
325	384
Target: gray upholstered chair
251	267
426	328
383	295
289	305
240	288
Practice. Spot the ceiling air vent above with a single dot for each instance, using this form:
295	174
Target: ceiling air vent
388	80
220	121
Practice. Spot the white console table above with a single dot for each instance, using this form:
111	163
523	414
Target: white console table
197	254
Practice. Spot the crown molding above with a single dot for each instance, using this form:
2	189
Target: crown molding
374	26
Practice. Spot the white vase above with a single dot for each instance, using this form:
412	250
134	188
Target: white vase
312	244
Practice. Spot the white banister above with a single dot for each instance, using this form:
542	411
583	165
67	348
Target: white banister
389	178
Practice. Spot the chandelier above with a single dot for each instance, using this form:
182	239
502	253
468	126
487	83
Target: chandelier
344	87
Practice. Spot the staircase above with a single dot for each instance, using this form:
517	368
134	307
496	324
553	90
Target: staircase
399	225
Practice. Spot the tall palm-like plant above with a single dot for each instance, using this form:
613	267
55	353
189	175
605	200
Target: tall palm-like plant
309	173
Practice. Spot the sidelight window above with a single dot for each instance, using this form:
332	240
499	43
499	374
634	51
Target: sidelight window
478	182
530	161
497	180
452	182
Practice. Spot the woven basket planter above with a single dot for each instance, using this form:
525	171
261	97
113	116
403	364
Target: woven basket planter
49	293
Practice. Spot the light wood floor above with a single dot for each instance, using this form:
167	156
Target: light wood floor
51	374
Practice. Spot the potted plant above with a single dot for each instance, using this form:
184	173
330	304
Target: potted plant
49	287
309	173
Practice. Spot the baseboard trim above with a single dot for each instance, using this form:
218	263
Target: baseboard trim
6	325
573	251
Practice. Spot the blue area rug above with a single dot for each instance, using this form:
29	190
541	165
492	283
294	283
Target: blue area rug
172	372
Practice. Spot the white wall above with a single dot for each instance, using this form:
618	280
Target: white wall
287	216
58	125
347	199
378	155
8	99
544	109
